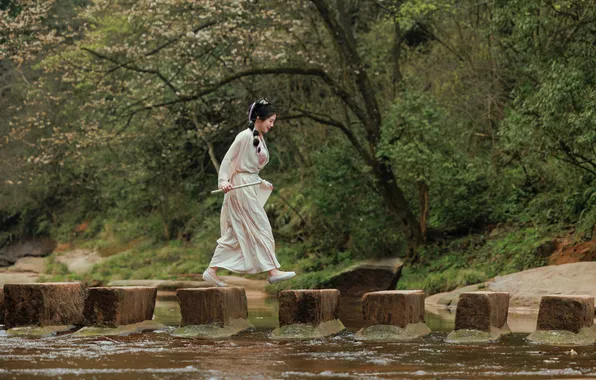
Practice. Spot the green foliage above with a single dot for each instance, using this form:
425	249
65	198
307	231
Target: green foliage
477	258
350	215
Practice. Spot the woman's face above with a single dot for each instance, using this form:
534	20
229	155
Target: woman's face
264	126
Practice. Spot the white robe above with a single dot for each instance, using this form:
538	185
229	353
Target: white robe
246	244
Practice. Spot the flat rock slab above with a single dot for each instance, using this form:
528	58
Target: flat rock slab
307	314
39	331
44	304
80	261
526	288
10	253
585	337
366	276
213	330
391	333
565	312
161	285
212	312
112	307
124	330
466	336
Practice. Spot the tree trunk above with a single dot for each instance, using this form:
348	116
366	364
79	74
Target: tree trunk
399	209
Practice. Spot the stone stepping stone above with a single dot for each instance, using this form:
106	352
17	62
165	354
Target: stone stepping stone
308	314
112	307
480	317
119	311
122	330
212	313
565	320
2	306
393	315
44	304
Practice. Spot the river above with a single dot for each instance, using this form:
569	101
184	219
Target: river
156	355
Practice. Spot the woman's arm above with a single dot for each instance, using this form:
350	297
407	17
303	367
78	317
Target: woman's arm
227	167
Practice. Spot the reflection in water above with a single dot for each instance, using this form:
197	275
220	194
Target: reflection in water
157	355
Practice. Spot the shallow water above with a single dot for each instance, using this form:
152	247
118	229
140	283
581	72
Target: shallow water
252	355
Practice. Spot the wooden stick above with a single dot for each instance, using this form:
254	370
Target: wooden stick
238	187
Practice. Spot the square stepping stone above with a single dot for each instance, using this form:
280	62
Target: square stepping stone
393	315
44	304
308	314
116	306
212	312
565	320
480	317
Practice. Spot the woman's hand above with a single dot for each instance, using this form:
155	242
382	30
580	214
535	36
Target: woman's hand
269	184
226	187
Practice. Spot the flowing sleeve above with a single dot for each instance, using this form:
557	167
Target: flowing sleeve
228	165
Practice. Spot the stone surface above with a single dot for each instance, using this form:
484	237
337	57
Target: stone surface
39	331
212	312
44	304
466	336
585	337
29	264
79	260
212	305
113	307
527	288
393	307
124	330
1	306
308	314
390	333
213	331
170	285
481	311
564	312
366	276
9	254
304	331
480	317
393	315
308	306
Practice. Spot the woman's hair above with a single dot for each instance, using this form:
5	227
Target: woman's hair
261	109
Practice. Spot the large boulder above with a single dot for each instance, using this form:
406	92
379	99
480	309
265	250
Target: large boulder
366	276
9	254
44	304
307	314
527	288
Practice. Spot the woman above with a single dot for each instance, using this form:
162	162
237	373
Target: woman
246	244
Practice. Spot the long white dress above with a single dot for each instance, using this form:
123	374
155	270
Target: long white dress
246	244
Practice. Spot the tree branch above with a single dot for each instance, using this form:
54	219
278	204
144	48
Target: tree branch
336	124
133	68
338	90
